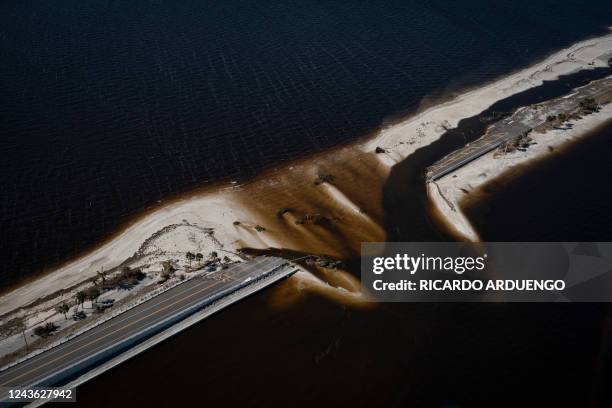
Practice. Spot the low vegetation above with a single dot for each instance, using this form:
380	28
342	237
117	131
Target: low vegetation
494	117
45	330
167	271
13	326
521	143
588	105
92	294
127	278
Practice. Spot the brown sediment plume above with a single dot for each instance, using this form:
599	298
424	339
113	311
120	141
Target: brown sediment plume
369	197
134	219
325	207
303	284
334	230
331	217
326	204
339	281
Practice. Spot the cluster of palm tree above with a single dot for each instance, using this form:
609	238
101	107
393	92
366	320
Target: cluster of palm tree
91	294
191	257
63	309
80	297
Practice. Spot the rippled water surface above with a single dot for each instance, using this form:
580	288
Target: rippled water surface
108	107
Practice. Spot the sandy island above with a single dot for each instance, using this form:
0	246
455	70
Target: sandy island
324	205
553	126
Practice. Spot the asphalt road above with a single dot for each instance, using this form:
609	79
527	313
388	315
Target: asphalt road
507	129
38	370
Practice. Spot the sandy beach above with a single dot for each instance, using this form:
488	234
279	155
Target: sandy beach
325	205
450	193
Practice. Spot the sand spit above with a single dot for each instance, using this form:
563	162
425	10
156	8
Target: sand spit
327	205
287	208
448	211
450	193
405	137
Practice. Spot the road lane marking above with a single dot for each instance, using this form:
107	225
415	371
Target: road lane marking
126	316
129	325
122	318
71	363
111	333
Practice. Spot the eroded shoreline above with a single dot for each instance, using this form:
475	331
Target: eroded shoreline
330	218
451	193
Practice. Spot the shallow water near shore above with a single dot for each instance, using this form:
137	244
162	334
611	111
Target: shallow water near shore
321	352
408	216
280	81
109	109
567	196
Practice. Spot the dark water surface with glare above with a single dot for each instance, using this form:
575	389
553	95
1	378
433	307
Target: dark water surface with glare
107	107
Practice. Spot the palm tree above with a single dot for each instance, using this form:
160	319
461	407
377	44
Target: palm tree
80	298
199	257
190	256
102	275
92	295
63	309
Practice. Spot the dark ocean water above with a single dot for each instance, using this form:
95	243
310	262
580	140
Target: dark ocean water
564	198
321	353
107	107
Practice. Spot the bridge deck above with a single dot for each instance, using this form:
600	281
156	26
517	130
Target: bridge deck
522	120
59	364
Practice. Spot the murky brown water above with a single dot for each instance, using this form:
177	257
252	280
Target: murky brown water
315	351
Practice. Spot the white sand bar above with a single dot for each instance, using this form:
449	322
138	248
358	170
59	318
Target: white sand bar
219	210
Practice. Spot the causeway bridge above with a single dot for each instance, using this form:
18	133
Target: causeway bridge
521	121
139	328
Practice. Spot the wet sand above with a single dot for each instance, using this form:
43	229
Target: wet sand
410	215
552	197
369	196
